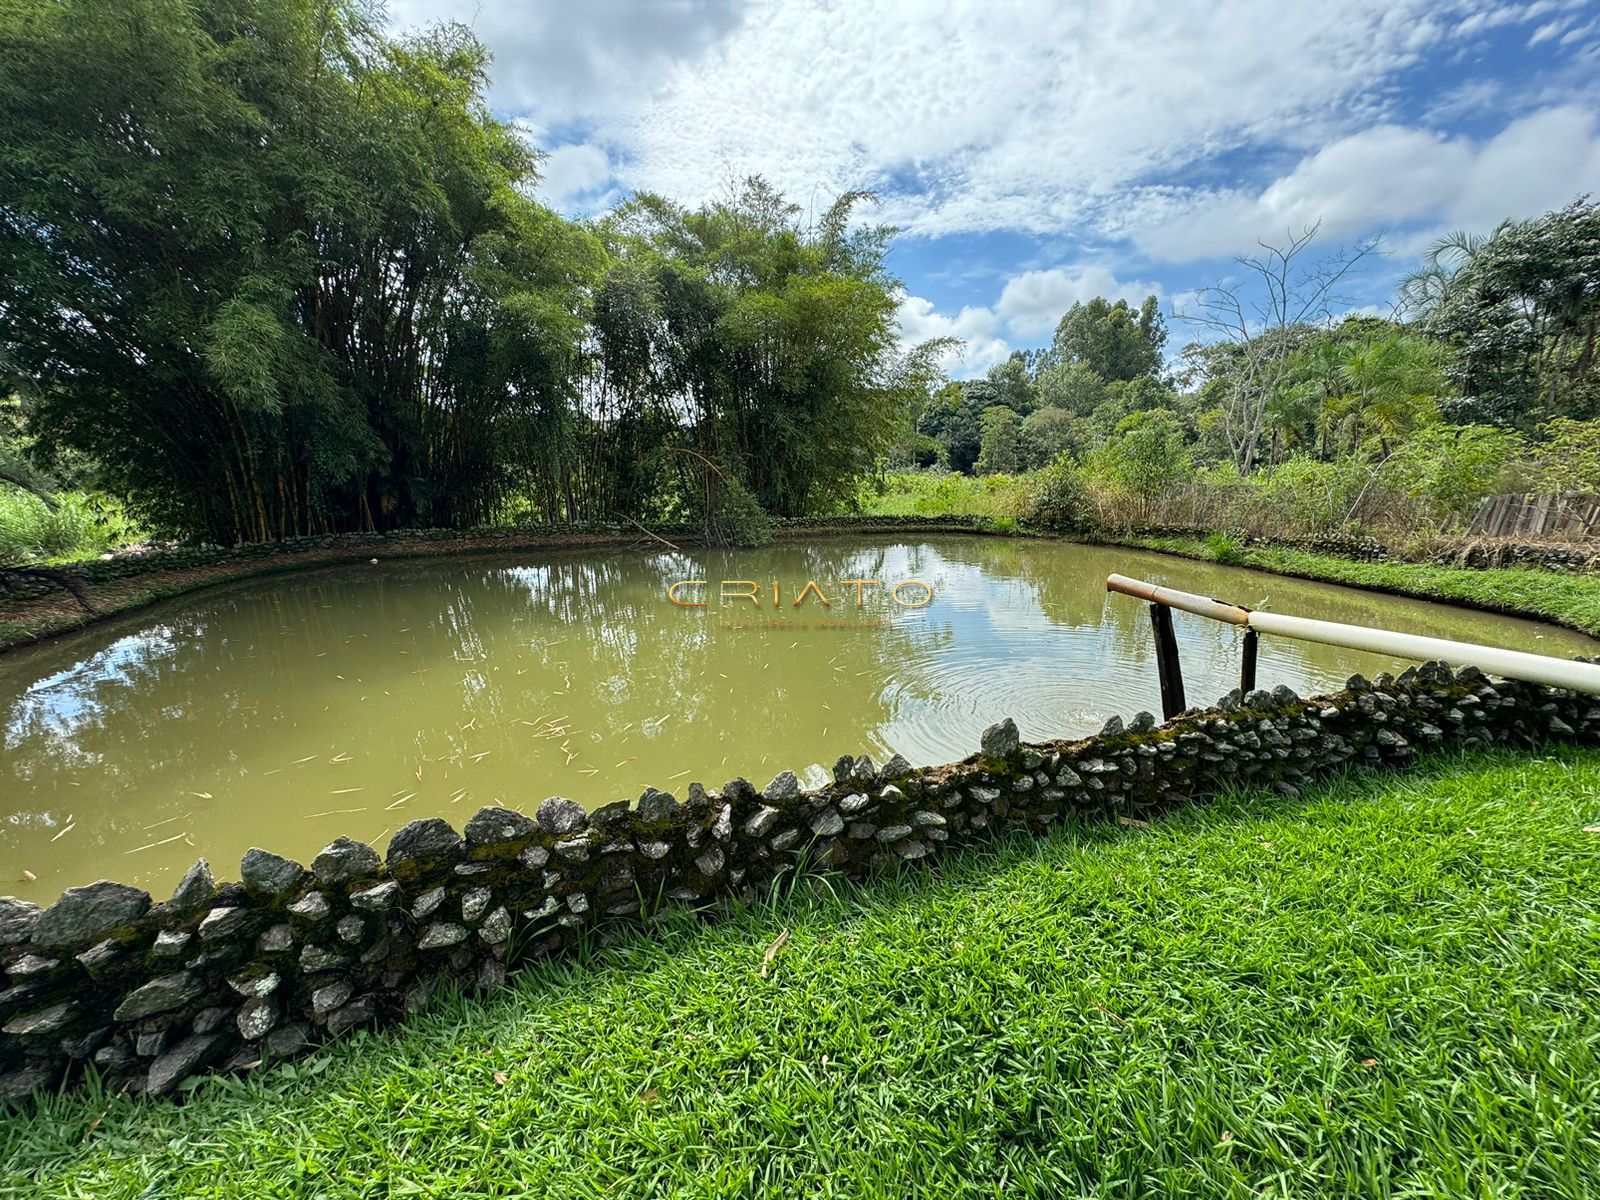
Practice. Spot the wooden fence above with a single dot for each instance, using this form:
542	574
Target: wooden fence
1559	516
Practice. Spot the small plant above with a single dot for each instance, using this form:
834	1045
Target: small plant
1224	548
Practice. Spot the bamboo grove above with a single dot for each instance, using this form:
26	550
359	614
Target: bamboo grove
276	272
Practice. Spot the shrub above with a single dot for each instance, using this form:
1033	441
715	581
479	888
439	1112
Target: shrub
1224	548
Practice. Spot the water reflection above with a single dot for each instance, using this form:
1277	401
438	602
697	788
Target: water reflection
286	711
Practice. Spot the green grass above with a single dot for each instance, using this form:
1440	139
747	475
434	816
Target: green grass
1572	600
1385	988
80	525
926	494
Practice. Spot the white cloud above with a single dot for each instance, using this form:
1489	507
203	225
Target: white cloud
562	61
1033	302
978	329
574	178
1385	176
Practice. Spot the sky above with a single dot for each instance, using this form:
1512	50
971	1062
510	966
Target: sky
1034	153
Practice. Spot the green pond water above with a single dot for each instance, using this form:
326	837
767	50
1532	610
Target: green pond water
285	711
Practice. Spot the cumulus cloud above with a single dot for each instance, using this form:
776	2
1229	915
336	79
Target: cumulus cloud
1033	302
1385	176
977	328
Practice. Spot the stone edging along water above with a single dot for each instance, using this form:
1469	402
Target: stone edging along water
224	978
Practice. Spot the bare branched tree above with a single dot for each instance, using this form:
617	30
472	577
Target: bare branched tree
1261	317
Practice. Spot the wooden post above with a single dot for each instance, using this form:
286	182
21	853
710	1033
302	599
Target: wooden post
1247	668
1167	666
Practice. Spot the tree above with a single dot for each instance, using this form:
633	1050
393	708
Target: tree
1073	386
1520	311
1263	331
1013	382
998	455
1145	455
1111	339
1047	434
276	272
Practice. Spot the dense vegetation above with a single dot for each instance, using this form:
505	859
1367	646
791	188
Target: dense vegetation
1257	997
274	272
1283	418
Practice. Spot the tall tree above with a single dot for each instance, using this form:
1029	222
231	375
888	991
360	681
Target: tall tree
1112	340
274	270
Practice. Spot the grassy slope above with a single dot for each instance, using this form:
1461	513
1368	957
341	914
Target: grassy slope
1385	987
1572	600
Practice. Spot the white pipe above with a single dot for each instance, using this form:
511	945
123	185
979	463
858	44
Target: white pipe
1512	664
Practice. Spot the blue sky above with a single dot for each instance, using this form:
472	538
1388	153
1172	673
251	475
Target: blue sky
1038	152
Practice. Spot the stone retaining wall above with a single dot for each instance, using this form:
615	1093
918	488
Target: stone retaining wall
225	977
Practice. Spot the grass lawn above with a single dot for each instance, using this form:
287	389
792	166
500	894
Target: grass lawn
1572	600
1390	986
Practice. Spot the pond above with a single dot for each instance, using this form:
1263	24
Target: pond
284	711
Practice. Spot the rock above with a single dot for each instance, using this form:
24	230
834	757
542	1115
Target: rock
87	914
170	943
711	861
222	923
287	1041
97	958
330	996
45	1020
559	816
357	1012
313	906
418	845
864	770
895	768
317	958
209	1019
925	818
32	964
493	828
534	857
1000	739
655	850
254	982
827	823
350	928
842	767
195	888
269	874
785	785
33	1076
162	994
17	919
893	833
474	903
179	1062
148	1045
722	827
853	803
656	806
428	903
610	817
440	934
377	899
763	820
344	860
496	927
574	849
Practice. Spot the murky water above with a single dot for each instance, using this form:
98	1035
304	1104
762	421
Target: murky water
285	711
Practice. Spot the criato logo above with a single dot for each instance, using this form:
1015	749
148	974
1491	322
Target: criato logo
693	593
